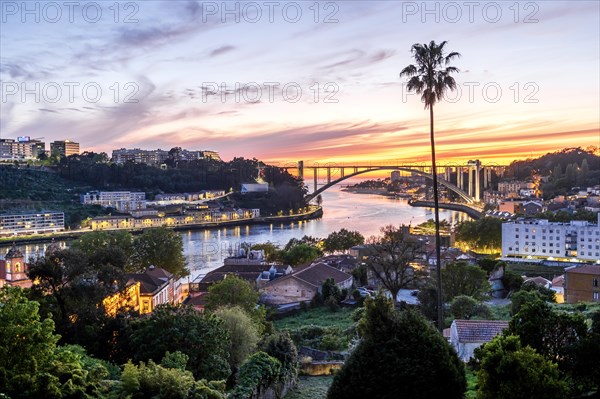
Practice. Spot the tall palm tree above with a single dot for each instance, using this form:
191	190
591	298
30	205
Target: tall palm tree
430	77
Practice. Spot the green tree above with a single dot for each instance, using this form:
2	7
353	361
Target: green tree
465	307
507	370
230	292
280	346
342	240
269	249
460	278
243	334
391	257
431	77
201	336
257	373
90	243
300	254
511	281
549	332
160	247
64	288
520	298
483	234
33	366
400	355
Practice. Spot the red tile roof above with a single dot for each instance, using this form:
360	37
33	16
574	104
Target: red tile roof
316	275
479	330
588	269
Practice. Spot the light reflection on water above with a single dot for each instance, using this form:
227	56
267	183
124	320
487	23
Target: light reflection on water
206	249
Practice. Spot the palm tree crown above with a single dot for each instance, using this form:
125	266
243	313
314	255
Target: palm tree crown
430	77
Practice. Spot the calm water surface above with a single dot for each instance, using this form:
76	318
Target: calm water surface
206	249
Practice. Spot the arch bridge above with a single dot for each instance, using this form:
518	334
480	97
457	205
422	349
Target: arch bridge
461	193
467	180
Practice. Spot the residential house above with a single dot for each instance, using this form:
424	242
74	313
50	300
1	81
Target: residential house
467	335
582	283
156	288
345	263
531	208
303	285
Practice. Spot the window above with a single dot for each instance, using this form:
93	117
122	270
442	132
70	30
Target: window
595	296
516	236
595	282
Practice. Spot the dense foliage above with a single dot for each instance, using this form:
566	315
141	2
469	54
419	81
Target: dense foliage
567	168
232	291
400	355
201	336
481	235
33	366
460	278
509	370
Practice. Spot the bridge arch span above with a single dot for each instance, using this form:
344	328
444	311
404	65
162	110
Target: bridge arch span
443	182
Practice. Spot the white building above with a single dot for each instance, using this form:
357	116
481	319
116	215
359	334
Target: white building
539	238
254	188
468	335
123	201
31	223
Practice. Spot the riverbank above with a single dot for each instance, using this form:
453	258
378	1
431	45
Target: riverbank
474	213
315	213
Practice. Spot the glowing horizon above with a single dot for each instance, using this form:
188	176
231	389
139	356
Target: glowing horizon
207	78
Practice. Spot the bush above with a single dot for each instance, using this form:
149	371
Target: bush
509	371
400	356
260	370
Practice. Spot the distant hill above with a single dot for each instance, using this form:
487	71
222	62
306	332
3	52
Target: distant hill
565	169
546	164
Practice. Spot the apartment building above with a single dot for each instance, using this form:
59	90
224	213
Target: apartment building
158	157
64	148
123	201
31	223
539	238
21	149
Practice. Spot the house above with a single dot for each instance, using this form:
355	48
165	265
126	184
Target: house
143	292
539	281
303	285
531	208
582	283
467	335
156	288
345	263
13	269
251	272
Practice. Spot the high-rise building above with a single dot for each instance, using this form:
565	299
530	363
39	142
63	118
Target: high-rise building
64	148
22	148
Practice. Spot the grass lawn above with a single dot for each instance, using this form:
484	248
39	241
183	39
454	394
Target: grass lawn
321	316
310	388
471	384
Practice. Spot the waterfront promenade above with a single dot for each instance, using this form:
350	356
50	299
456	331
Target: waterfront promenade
314	212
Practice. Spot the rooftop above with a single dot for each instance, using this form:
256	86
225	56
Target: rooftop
479	330
587	269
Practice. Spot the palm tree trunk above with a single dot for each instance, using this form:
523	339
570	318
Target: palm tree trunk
438	251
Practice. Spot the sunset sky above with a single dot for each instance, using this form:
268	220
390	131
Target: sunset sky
530	68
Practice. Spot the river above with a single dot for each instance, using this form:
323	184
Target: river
205	249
